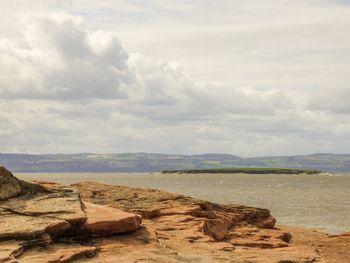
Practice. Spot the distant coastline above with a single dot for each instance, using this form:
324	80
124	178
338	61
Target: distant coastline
153	162
246	171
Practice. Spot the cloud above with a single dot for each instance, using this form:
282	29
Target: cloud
331	100
274	85
59	59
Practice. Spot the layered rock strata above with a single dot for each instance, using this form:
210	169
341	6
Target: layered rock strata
49	223
91	222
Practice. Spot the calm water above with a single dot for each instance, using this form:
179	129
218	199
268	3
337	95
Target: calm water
318	201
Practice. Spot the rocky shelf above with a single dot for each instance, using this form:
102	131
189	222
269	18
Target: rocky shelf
43	222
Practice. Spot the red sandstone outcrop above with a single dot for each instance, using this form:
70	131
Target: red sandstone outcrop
34	216
183	229
10	185
48	222
104	220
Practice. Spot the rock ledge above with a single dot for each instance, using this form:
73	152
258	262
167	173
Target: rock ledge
90	222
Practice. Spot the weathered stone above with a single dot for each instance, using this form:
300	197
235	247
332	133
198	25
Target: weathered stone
175	229
52	213
58	253
10	186
11	250
44	223
216	228
267	222
29	227
102	220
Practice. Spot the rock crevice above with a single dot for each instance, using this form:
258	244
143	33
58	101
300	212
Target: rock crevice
90	222
33	215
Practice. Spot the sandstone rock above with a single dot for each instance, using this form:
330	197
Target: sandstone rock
12	249
58	253
182	229
102	220
42	214
345	234
32	215
29	227
267	222
44	223
9	185
38	213
216	228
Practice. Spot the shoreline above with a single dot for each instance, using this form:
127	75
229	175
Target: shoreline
250	190
83	222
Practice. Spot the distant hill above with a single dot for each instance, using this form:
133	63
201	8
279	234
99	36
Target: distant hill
150	162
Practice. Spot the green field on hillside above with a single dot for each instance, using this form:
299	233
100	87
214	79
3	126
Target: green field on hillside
248	171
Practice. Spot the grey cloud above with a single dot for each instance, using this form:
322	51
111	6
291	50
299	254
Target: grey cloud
65	88
61	60
331	99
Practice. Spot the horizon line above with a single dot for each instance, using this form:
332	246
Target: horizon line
183	154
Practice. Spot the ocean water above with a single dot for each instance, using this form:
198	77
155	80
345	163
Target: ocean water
320	201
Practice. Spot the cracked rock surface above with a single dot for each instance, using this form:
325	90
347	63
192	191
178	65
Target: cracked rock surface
50	223
90	222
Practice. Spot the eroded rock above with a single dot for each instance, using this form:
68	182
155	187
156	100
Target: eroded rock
266	222
46	223
216	228
10	186
36	213
58	253
104	220
181	229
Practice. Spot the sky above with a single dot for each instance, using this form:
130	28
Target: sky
250	78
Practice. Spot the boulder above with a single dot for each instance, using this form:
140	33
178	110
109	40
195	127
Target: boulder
10	186
216	228
36	220
104	220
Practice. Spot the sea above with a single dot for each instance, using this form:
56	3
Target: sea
319	201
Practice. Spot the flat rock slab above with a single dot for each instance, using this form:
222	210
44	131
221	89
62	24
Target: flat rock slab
12	249
108	220
9	250
57	253
29	227
37	213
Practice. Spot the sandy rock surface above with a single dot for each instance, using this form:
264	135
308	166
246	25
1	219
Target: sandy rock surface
177	228
90	222
50	223
104	220
10	185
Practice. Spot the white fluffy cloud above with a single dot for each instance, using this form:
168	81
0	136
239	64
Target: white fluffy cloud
67	86
59	59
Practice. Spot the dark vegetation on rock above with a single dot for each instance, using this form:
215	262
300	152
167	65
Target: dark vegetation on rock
247	171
